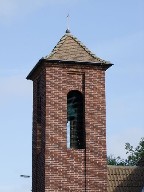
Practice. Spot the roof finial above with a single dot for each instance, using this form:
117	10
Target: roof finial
68	30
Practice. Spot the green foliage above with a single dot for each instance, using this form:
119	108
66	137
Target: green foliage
111	160
134	155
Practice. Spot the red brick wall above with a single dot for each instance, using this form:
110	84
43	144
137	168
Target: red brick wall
56	168
38	136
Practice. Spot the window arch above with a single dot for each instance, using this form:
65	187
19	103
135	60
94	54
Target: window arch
75	120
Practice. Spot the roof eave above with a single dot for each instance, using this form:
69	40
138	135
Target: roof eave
105	66
40	62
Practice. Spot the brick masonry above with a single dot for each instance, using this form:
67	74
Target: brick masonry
56	168
70	66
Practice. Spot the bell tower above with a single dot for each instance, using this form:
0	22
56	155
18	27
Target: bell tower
69	120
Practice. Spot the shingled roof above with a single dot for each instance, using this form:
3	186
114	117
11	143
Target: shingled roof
69	48
125	179
141	162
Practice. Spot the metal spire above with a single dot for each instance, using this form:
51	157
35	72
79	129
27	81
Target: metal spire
68	30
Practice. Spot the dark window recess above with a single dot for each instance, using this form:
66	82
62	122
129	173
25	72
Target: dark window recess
38	101
75	117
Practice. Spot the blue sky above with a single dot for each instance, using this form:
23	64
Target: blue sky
29	29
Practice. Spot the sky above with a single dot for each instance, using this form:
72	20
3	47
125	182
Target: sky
29	29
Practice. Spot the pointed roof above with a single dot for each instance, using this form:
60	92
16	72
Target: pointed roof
69	48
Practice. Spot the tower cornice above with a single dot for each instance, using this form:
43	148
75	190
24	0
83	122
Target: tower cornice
66	63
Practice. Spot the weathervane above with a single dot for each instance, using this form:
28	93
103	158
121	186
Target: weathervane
68	30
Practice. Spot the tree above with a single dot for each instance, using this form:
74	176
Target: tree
111	160
134	155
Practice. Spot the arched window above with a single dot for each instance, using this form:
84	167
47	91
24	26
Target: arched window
75	120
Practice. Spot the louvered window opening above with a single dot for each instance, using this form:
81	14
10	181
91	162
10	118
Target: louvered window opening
75	119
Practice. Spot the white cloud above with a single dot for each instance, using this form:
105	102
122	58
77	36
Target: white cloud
10	8
7	7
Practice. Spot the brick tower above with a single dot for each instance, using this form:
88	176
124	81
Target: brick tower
69	120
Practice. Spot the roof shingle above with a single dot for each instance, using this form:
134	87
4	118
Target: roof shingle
125	179
69	48
141	162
